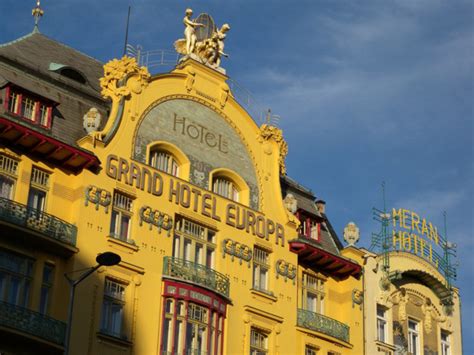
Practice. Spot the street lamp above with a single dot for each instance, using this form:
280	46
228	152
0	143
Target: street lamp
105	259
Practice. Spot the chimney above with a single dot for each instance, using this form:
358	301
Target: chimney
321	206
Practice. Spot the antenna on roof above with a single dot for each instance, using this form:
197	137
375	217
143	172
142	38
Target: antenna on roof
126	32
37	13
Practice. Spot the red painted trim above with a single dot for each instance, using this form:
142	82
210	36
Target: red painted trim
222	336
7	98
91	160
324	261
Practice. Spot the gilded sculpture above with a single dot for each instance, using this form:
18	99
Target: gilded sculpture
268	132
208	46
117	84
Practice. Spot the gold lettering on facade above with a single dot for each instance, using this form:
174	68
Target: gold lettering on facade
200	133
187	196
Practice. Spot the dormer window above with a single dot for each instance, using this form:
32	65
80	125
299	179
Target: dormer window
29	107
68	72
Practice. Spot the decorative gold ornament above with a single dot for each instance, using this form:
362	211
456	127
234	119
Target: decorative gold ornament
98	196
268	132
121	78
116	73
202	40
285	269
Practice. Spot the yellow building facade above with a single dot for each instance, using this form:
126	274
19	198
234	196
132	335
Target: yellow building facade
220	251
183	185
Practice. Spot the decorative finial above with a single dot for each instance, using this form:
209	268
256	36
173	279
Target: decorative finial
37	13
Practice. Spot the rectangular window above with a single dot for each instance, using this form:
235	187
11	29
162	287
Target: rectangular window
194	242
258	342
189	328
310	350
381	324
13	102
39	184
313	293
28	108
120	225
46	286
16	273
261	266
44	115
445	343
8	176
112	308
413	337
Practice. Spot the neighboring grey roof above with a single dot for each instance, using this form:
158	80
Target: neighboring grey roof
306	201
36	52
26	64
303	195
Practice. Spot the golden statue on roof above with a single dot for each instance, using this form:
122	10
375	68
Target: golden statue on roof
202	41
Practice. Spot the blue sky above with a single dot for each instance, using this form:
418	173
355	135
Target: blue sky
367	91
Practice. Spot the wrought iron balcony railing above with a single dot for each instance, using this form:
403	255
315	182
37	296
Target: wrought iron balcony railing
44	223
196	273
24	320
323	324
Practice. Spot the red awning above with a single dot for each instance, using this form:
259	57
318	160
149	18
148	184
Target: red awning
46	148
322	261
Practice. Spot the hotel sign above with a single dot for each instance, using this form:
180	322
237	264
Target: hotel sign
193	198
416	235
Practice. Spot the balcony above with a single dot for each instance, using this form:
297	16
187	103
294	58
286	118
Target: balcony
33	323
53	231
196	273
319	323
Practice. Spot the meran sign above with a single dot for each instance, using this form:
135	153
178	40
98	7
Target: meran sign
415	235
188	196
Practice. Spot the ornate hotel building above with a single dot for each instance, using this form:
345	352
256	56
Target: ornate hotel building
221	252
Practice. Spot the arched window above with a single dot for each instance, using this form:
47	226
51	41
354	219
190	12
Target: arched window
164	161
168	158
225	187
229	184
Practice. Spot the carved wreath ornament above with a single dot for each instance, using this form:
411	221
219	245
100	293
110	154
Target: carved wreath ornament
238	250
268	132
285	269
99	197
156	218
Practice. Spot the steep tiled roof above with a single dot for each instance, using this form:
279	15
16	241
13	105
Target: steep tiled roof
29	63
305	198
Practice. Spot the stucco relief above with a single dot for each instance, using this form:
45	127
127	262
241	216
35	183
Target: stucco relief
203	135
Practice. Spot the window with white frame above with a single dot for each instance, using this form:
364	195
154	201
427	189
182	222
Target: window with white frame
190	328
261	267
39	185
413	337
225	187
164	161
310	350
194	242
313	293
381	324
16	273
445	343
34	109
120	225
8	176
113	306
258	342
